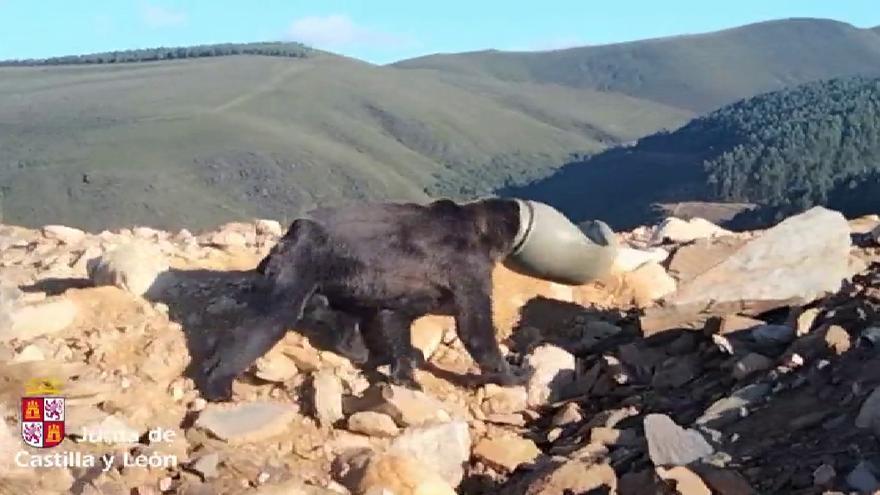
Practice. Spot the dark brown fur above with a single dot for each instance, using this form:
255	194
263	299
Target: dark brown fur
387	264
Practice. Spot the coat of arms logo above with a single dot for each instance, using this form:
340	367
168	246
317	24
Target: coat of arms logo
42	413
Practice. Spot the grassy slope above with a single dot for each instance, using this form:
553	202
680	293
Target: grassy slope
698	72
197	142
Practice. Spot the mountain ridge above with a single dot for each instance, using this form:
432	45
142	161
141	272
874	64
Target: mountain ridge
698	72
106	145
276	136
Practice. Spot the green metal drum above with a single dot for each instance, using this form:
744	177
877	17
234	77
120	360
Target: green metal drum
550	247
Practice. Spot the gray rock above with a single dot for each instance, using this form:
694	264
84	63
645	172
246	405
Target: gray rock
327	397
275	367
444	447
801	258
553	369
690	260
504	400
862	478
373	424
772	335
407	407
824	475
797	261
751	363
247	422
672	445
134	267
729	409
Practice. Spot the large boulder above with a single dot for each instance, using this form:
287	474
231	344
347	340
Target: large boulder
802	258
799	260
691	260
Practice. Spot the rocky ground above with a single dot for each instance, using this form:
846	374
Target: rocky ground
710	362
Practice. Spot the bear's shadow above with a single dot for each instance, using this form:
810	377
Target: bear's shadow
208	305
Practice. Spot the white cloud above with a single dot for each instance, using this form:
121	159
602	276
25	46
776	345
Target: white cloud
156	16
339	31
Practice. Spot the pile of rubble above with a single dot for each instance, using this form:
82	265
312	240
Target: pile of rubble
710	362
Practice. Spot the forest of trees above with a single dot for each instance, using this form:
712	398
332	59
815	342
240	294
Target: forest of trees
273	49
789	150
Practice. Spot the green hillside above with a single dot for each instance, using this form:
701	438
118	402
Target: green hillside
697	72
200	141
788	150
197	136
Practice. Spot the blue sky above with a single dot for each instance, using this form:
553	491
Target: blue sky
382	31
